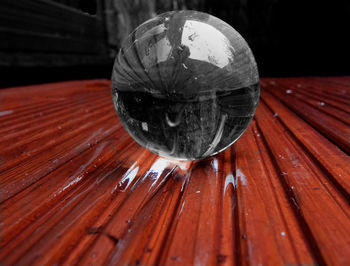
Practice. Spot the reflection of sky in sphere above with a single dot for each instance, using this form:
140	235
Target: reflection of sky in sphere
158	50
206	43
185	85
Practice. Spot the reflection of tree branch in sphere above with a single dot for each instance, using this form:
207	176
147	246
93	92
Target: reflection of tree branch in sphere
195	86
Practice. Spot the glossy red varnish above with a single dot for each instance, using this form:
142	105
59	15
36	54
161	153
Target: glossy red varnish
76	189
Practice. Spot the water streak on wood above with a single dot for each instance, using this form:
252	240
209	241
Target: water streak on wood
76	189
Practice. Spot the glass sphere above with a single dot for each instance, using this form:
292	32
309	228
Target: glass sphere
185	85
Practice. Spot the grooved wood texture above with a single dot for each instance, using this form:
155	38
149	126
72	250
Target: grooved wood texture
76	189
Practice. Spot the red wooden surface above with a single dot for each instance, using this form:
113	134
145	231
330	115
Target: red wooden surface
76	189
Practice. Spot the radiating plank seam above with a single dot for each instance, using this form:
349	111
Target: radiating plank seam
320	84
114	130
311	164
291	90
55	200
233	195
281	86
159	183
309	238
320	98
170	232
69	118
299	148
326	172
165	238
15	93
75	156
105	216
233	201
35	103
104	222
327	112
239	232
317	97
36	117
331	136
64	138
172	173
308	205
68	130
20	114
55	85
194	249
294	205
340	81
221	183
75	194
87	211
59	153
339	96
220	258
262	146
339	115
319	90
134	182
320	152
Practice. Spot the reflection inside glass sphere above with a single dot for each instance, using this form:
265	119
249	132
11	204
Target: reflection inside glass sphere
185	85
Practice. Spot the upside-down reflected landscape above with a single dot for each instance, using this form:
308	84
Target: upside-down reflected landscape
185	85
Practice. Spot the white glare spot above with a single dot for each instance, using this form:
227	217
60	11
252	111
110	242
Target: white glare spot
144	126
215	164
229	180
240	176
3	113
214	50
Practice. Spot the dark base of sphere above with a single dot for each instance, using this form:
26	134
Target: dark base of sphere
185	85
187	129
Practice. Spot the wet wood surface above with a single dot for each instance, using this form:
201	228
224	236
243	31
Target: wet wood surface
76	189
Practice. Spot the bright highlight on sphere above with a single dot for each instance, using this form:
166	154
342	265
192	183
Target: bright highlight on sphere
185	85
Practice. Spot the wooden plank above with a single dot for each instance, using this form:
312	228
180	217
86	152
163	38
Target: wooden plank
323	151
302	178
263	210
334	129
76	189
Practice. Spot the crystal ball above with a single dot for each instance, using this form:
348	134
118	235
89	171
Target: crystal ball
185	85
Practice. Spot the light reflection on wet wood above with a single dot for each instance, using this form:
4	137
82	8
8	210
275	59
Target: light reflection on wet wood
76	189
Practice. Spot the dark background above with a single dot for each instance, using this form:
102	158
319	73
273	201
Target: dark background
288	37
